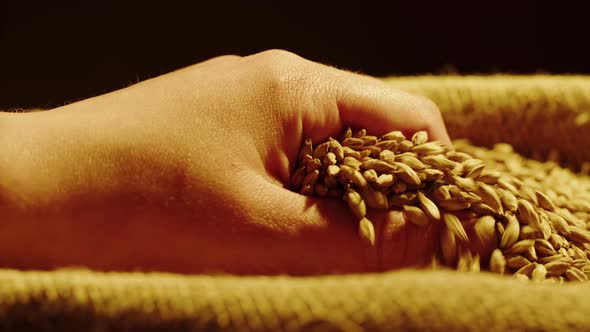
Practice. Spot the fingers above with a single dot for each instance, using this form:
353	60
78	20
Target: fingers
358	101
330	99
366	102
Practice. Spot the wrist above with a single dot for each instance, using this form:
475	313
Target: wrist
41	155
60	157
24	150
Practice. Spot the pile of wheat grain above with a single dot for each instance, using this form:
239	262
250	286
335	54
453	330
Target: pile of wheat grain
536	214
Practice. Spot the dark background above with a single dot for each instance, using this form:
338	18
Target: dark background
55	52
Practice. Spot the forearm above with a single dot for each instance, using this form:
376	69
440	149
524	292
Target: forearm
72	191
48	159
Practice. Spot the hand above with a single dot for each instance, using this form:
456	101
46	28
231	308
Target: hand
188	172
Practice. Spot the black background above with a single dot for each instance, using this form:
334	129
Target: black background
55	52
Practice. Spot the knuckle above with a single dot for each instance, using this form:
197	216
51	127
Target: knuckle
278	55
284	73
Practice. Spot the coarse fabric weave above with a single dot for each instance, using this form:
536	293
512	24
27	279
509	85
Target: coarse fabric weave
393	301
537	114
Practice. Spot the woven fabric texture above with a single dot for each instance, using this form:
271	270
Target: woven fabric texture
536	114
394	301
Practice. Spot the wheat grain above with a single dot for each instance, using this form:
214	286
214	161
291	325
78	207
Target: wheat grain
337	149
509	201
353	143
544	247
349	152
557	268
497	262
385	180
356	203
449	247
455	226
428	206
574	274
544	201
320	151
415	215
539	273
556	241
485	231
407	174
536	215
489	177
578	235
516	262
367	231
520	247
420	137
527	214
329	159
371	175
374	198
454	205
490	197
395	135
527	270
554	258
511	232
313	165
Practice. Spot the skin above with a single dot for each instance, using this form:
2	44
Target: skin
187	173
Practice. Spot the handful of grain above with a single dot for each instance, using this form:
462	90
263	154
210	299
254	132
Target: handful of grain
536	215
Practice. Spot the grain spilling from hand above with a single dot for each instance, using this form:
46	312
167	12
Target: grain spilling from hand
535	215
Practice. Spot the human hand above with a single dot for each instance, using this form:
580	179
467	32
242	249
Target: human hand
188	172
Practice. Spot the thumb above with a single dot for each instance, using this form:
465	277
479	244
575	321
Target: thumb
366	102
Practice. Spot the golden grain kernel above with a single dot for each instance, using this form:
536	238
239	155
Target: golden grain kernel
516	262
367	232
353	143
454	225
428	206
374	198
536	214
395	135
497	262
355	203
415	215
449	247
